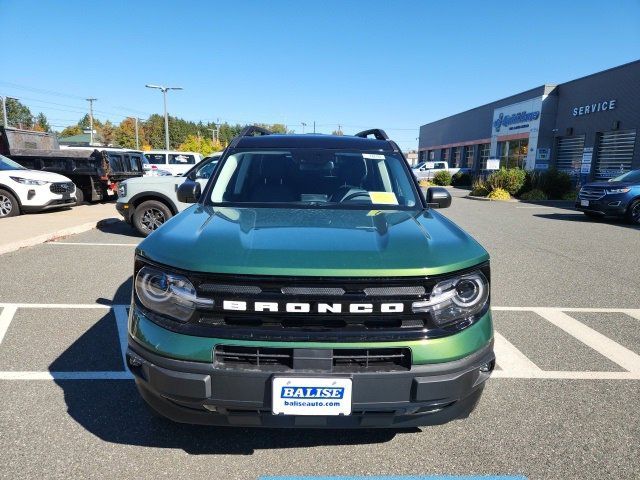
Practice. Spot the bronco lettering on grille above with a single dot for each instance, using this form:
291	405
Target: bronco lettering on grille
301	307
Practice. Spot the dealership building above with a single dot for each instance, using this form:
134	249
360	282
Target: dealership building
586	127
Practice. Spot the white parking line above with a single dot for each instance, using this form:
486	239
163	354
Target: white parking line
87	244
8	311
66	375
615	352
512	362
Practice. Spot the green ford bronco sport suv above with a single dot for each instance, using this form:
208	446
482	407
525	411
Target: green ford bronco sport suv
311	284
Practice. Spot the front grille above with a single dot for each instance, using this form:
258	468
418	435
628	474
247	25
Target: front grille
62	187
340	360
591	193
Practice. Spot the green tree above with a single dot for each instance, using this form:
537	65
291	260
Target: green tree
203	145
106	132
71	131
18	114
125	133
42	124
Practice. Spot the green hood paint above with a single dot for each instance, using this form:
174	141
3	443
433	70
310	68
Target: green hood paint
312	242
200	349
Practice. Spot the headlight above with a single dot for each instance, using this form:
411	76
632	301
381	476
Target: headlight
617	190
122	190
456	299
28	181
168	294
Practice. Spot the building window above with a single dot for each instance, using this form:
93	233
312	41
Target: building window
455	156
513	153
468	156
444	154
432	155
483	154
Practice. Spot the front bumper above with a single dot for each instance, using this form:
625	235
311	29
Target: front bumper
125	209
606	206
56	203
196	392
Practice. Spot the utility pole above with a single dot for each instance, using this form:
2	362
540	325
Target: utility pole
166	117
213	134
137	137
303	125
91	100
314	126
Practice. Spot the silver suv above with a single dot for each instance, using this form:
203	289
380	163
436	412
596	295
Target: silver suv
148	202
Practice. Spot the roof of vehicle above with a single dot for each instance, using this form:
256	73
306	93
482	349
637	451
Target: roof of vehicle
171	151
345	142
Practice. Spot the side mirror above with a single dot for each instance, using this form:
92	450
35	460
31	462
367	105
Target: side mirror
192	176
189	192
438	197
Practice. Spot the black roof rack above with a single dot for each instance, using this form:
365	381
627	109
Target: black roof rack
378	133
250	131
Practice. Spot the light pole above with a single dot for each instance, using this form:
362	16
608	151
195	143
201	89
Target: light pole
4	109
166	118
91	100
303	125
213	134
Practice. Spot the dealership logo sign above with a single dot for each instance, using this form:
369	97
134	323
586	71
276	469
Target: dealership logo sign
594	107
515	119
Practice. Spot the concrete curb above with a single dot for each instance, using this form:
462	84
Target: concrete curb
47	237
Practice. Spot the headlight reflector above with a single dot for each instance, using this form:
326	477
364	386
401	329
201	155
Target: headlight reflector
456	299
28	181
168	294
617	190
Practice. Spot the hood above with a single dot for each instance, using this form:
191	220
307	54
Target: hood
155	180
606	184
38	175
312	242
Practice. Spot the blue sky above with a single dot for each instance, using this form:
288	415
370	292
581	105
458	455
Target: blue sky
389	64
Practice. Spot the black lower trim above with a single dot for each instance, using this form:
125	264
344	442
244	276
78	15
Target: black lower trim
424	395
125	212
63	202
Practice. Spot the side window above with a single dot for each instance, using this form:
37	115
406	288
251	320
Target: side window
156	158
440	165
207	170
181	159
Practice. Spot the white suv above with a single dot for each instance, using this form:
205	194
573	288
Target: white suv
23	190
147	202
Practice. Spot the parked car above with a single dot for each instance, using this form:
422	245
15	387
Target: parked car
23	190
427	170
147	202
172	161
311	285
618	197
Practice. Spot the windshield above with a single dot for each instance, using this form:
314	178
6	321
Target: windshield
8	164
315	177
632	176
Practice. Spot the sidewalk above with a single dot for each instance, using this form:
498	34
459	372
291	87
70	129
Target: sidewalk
35	228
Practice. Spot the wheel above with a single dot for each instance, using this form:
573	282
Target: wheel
150	215
79	196
9	206
633	212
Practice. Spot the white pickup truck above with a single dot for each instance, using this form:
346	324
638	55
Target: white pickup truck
426	170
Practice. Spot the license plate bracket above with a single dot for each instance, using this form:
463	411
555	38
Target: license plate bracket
584	203
324	396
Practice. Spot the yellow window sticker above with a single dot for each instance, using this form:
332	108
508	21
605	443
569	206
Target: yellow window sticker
383	198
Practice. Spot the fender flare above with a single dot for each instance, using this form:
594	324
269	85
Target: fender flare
149	195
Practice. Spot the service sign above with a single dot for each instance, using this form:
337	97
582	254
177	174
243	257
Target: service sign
493	164
522	117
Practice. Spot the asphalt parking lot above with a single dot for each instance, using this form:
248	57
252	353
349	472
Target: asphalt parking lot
563	403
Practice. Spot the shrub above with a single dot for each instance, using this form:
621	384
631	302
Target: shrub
570	196
509	179
461	179
442	178
553	183
480	188
533	195
499	194
424	183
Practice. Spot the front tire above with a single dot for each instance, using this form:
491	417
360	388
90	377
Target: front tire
150	215
633	212
9	206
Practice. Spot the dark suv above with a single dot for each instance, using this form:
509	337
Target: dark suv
618	197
